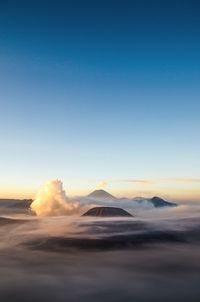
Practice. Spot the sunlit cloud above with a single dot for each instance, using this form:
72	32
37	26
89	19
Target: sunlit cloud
102	184
51	200
105	183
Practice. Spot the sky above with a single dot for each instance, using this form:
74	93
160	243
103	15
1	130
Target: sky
100	94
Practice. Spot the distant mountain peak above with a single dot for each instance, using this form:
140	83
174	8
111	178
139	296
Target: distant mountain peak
156	198
155	201
159	202
101	194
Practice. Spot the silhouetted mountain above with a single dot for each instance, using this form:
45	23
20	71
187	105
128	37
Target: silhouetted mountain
107	212
159	202
155	201
101	194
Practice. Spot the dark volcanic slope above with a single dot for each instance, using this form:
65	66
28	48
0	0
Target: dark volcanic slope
107	212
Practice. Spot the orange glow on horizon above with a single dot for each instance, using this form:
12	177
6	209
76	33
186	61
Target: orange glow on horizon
168	190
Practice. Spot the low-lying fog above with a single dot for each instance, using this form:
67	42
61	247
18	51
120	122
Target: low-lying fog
153	256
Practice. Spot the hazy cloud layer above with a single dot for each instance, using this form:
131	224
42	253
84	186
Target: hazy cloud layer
149	258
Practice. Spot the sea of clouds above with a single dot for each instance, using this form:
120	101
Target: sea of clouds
59	256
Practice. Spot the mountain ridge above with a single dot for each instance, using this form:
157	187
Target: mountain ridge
156	201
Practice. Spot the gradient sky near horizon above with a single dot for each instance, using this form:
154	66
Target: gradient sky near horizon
100	94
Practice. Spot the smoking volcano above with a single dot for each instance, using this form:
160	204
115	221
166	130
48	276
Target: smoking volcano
51	200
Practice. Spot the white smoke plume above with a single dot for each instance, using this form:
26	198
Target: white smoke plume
51	200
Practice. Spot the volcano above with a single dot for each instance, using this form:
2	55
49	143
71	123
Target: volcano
101	194
159	202
155	201
107	212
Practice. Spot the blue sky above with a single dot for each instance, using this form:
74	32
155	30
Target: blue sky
93	92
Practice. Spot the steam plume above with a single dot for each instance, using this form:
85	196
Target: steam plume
51	200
